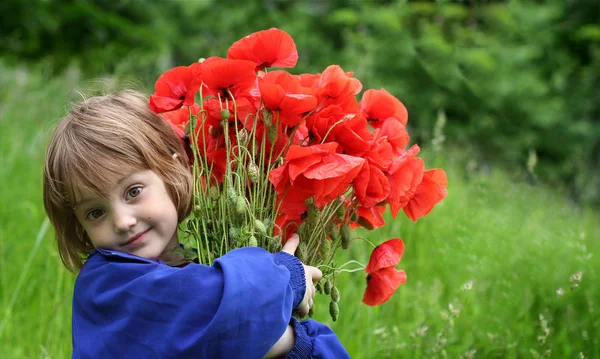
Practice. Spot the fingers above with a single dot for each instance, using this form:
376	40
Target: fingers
314	273
303	310
308	301
291	244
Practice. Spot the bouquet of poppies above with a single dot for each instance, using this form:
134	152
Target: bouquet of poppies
274	153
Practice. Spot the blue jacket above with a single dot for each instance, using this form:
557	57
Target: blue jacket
125	306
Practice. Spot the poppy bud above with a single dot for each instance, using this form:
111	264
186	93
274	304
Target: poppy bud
324	248
253	172
353	216
272	134
243	136
334	310
252	242
240	205
225	114
215	131
267	116
197	210
341	212
327	287
313	214
335	294
234	233
302	252
231	196
213	192
260	227
346	235
319	287
274	245
333	231
187	129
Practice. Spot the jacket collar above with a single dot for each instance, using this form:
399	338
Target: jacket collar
112	254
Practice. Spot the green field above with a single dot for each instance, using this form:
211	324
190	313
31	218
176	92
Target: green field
499	269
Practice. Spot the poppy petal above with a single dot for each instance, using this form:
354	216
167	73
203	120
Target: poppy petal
334	165
396	135
225	74
161	104
271	94
372	217
371	185
387	254
382	284
178	84
296	151
266	48
379	106
428	193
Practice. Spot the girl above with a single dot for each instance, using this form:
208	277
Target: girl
116	185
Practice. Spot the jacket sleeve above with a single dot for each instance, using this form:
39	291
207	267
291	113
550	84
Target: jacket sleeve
315	340
239	307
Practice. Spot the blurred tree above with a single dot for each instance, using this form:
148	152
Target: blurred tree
513	78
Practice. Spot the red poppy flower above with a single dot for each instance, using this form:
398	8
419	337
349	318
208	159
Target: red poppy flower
266	48
315	171
175	88
396	134
353	134
309	80
289	218
379	151
371	186
337	87
335	83
370	217
212	147
225	75
180	117
387	254
382	284
404	174
382	278
378	106
282	92
240	110
430	192
319	123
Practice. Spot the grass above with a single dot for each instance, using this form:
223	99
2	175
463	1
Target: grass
485	268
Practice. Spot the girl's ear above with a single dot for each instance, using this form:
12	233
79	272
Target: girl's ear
175	155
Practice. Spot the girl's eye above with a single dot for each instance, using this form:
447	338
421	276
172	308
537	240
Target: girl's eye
94	214
133	192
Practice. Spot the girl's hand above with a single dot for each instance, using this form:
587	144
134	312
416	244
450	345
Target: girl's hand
313	275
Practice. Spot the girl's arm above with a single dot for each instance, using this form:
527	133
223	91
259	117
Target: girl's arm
315	340
284	345
242	304
308	339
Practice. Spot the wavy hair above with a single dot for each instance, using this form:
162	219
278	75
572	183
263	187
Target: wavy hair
99	141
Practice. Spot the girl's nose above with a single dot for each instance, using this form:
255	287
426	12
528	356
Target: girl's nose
123	220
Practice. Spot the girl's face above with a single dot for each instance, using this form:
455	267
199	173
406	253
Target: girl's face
137	217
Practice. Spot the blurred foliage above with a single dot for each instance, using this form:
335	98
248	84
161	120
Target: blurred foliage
516	80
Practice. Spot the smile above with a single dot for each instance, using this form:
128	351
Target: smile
136	239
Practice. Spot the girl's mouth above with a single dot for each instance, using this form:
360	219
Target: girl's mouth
136	239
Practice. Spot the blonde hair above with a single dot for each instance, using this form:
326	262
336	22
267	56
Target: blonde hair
90	148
